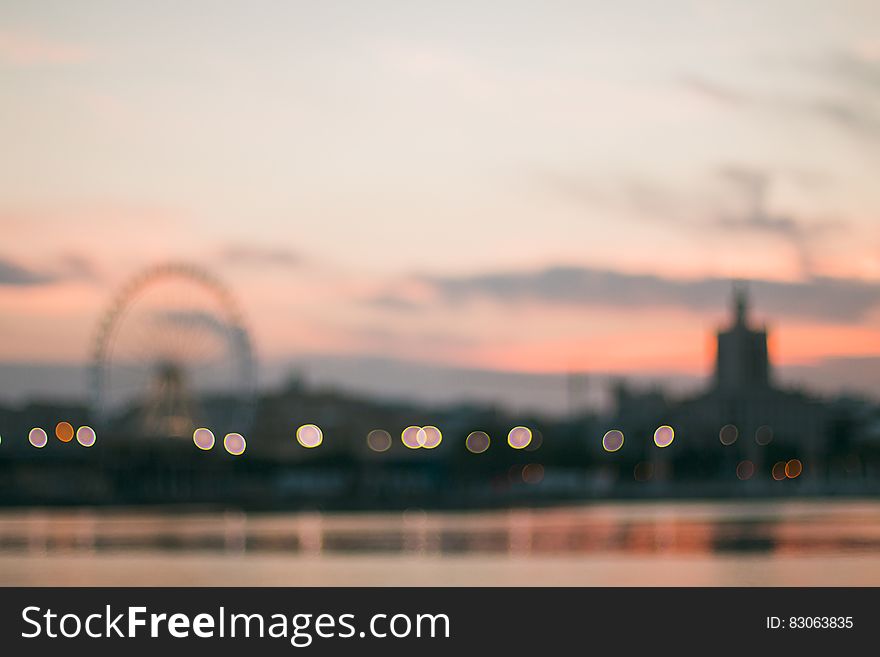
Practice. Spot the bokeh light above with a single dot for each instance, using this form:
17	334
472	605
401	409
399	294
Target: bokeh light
745	470
203	438
778	471
410	437
379	440
728	434
477	442
309	435
86	436
764	435
793	469
37	437
664	436
519	437
612	441
235	444
64	432
429	437
533	473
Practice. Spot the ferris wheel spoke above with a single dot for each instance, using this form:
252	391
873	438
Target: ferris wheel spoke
170	334
201	336
141	337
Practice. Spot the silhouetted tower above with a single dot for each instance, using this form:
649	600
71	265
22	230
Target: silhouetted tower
742	362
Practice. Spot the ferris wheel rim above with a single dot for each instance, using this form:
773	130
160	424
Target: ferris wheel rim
112	318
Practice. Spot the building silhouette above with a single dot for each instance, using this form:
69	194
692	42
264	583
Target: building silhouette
742	360
742	397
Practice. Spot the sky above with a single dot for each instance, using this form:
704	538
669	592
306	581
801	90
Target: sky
533	188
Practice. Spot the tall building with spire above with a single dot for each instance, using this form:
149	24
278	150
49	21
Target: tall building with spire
769	420
742	360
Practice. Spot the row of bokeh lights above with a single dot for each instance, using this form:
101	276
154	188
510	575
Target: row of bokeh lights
477	442
664	435
613	440
234	443
378	440
64	432
308	435
429	437
745	470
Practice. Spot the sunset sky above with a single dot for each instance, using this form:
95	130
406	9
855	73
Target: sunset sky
535	187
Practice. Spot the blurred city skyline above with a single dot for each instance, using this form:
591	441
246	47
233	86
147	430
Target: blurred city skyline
527	189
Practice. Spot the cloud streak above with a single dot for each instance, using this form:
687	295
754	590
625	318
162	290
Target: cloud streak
713	90
66	267
710	211
851	107
391	301
854	69
261	256
754	184
13	275
820	298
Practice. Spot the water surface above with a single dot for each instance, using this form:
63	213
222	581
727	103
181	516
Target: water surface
663	543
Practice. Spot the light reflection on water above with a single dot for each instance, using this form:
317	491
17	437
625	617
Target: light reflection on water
663	528
624	544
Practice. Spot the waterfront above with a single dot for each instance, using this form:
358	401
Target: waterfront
754	543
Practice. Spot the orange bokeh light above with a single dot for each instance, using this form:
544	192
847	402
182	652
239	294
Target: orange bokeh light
64	432
793	469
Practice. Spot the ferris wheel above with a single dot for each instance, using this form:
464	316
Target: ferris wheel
172	354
